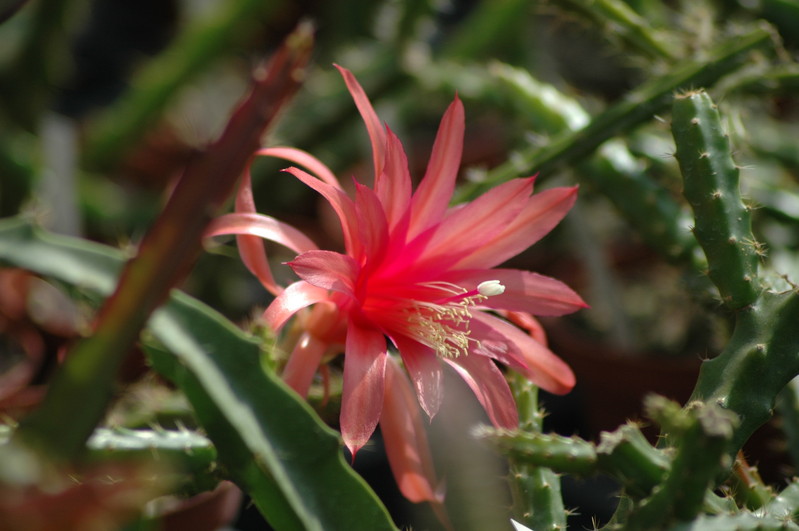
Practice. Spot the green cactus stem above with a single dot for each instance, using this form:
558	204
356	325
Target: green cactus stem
788	409
627	455
786	504
736	522
619	21
612	170
634	109
699	455
537	499
570	455
723	225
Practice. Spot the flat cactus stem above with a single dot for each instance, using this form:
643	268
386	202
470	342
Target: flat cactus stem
613	170
626	455
699	456
189	450
723	226
757	363
637	107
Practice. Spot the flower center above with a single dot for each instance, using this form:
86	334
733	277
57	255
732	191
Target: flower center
443	324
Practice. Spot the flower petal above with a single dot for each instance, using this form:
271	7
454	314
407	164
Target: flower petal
341	203
434	192
364	384
524	291
373	126
292	299
474	225
405	439
303	158
328	270
425	371
490	387
303	363
262	226
543	367
251	248
543	212
372	225
393	184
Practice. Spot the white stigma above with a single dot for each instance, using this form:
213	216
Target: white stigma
489	288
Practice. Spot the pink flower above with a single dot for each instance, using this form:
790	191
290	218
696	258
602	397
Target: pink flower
417	276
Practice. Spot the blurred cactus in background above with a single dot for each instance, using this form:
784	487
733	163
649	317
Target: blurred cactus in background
138	378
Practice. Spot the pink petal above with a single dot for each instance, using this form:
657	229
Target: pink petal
524	291
364	381
262	226
405	439
373	125
328	270
393	183
528	323
251	248
425	371
543	212
372	224
489	386
304	159
294	298
543	367
435	191
303	363
341	203
476	224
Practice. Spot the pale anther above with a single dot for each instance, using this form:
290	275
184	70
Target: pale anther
489	288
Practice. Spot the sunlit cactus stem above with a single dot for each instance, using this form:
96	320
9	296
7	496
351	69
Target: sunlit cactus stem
723	224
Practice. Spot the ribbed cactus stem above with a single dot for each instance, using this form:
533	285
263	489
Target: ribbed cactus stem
700	454
723	226
537	498
757	363
612	170
627	455
563	454
786	504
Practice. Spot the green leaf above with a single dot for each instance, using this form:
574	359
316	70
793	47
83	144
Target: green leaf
268	439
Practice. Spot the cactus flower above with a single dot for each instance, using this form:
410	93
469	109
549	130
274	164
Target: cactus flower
417	276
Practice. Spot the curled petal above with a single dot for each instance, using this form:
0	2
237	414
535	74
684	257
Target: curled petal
341	203
540	364
543	212
262	226
524	291
425	372
373	126
405	439
490	387
364	384
251	248
304	159
303	363
432	197
292	299
328	270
